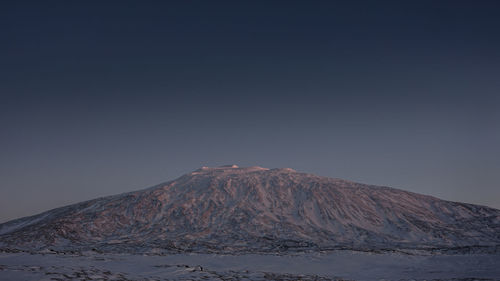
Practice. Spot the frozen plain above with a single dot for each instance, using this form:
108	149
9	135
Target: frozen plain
337	265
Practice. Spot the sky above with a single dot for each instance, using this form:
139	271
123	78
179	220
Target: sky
104	97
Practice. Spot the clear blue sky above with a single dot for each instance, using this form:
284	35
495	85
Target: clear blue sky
103	97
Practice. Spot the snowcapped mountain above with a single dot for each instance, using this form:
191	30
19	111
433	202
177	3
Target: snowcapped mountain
254	209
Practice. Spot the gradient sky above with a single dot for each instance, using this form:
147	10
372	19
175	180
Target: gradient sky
103	97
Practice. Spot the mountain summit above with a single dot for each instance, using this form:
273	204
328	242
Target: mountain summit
255	209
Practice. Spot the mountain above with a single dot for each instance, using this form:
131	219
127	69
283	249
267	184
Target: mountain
254	209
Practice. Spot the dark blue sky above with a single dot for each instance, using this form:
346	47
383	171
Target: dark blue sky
102	97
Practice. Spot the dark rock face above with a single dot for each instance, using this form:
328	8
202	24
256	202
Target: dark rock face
232	209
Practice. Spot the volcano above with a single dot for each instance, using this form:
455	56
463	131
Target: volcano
254	209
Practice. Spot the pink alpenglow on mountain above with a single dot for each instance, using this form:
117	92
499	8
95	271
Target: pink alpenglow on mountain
230	209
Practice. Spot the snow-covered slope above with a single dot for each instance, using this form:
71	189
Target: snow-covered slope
254	209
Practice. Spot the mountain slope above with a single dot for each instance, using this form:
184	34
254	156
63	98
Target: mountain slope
227	209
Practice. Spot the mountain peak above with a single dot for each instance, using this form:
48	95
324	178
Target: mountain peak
232	208
228	169
230	166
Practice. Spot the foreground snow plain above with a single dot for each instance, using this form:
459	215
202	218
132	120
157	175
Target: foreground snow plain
338	265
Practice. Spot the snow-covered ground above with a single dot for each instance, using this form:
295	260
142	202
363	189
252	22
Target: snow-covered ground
340	265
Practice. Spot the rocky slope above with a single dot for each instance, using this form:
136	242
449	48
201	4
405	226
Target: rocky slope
254	209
